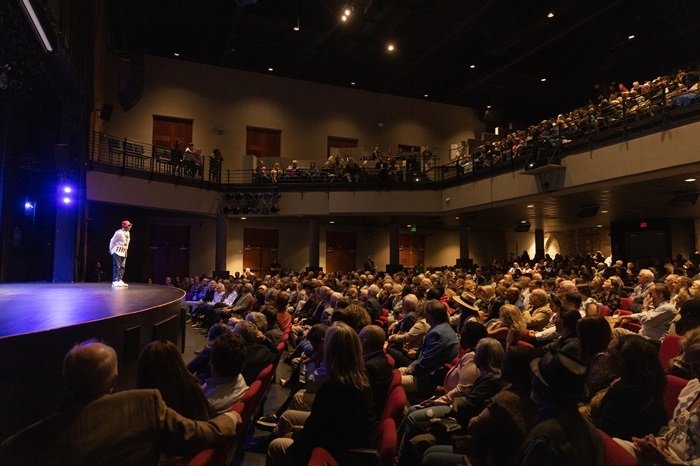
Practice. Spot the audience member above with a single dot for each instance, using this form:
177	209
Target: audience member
100	427
343	413
226	385
160	366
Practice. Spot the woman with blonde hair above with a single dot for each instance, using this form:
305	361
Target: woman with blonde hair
509	317
342	417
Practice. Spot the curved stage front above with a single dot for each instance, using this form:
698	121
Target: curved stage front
39	322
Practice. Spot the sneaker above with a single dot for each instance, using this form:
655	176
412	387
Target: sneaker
116	284
121	283
267	423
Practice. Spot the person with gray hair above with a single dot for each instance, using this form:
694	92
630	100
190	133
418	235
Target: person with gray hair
98	426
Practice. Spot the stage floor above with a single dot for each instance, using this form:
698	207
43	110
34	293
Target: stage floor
39	307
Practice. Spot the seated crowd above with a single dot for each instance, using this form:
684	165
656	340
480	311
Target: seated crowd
501	365
605	110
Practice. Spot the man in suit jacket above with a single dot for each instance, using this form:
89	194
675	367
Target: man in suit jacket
103	428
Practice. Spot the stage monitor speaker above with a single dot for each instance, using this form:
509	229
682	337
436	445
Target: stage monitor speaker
465	263
393	268
106	112
588	211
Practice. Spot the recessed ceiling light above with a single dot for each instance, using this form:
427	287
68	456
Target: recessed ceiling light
409	225
456	218
488	106
630	37
296	27
550	15
530	206
543	80
352	83
689	180
523	221
332	221
176	54
343	18
270	69
390	47
347	12
603	211
472	66
425	95
244	218
599	226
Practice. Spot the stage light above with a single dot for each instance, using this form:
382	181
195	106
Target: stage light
66	194
28	206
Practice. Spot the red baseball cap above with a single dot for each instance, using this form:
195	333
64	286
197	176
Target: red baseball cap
126	223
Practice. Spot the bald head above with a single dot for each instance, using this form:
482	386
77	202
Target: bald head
372	338
90	368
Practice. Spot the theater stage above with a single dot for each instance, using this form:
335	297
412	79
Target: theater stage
39	322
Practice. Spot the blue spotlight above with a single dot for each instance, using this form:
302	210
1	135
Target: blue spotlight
28	205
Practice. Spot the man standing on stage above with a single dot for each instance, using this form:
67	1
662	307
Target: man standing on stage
118	246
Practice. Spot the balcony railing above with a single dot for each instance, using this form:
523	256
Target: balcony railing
416	171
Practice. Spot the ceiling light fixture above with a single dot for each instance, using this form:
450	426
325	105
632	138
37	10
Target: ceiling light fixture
603	211
550	15
36	24
244	218
425	95
332	222
352	83
488	107
531	206
599	226
689	180
176	54
472	67
297	27
390	47
543	80
630	37
270	69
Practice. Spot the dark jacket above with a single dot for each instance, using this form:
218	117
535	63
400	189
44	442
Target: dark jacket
342	418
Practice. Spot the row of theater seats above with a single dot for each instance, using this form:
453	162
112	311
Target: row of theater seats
249	407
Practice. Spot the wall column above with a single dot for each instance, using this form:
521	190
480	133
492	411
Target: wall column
539	244
463	260
221	246
314	241
394	264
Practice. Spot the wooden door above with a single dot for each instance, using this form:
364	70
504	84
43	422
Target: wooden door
260	249
340	251
169	252
167	130
411	250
